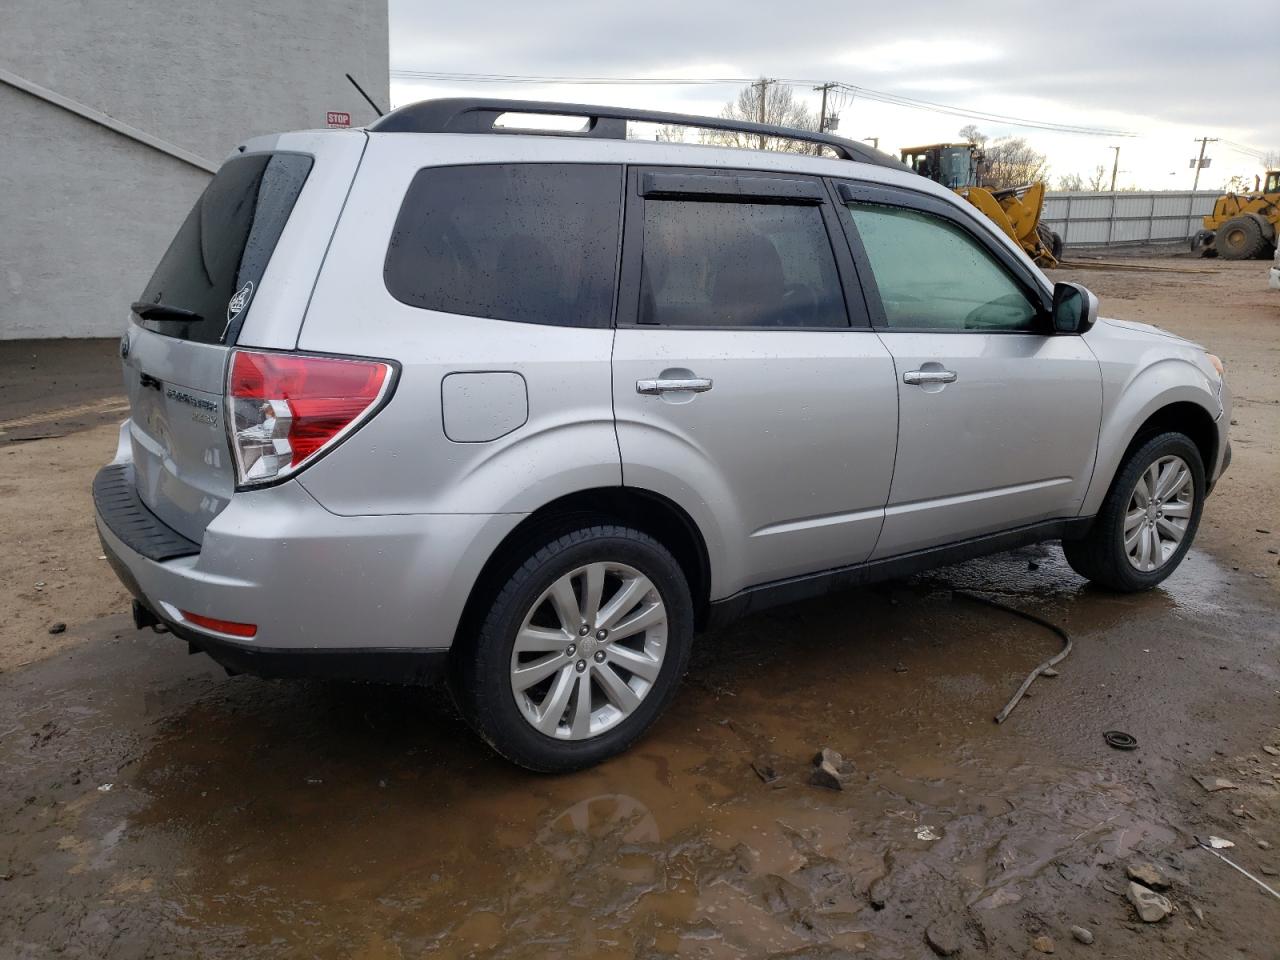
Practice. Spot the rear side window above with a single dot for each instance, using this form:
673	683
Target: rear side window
721	264
217	259
530	242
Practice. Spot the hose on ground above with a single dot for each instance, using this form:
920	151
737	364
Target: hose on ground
1057	658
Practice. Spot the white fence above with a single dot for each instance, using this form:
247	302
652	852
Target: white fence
1159	216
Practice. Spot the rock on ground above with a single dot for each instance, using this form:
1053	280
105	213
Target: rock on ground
1148	874
1082	934
943	939
1151	906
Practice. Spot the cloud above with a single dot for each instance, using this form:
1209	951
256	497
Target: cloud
918	54
1140	65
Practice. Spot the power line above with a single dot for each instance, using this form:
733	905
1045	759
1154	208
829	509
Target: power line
1244	150
898	100
867	93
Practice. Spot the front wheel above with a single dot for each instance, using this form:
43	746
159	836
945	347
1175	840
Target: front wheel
580	650
1148	519
1240	238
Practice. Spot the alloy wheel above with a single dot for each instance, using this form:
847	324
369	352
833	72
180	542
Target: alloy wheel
588	651
1158	513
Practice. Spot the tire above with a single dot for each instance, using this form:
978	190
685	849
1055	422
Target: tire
485	663
1101	555
1050	240
1240	238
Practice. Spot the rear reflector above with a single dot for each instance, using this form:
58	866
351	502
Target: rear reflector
221	626
287	408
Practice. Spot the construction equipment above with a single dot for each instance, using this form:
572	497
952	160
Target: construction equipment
1243	226
1016	210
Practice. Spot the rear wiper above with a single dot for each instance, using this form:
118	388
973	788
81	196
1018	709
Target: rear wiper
163	311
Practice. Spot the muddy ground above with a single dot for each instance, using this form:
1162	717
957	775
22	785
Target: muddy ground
152	807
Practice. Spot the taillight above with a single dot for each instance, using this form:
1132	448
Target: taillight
287	408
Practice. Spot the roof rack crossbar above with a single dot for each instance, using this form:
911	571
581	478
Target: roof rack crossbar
478	115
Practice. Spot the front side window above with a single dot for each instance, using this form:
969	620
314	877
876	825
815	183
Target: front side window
732	264
933	276
531	242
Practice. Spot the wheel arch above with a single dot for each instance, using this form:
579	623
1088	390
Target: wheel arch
1180	410
644	510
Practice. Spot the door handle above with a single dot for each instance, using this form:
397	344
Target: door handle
655	388
929	376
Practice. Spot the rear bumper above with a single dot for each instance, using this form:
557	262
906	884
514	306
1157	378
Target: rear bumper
368	597
373	665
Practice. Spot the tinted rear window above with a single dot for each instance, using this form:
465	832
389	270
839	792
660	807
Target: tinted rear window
535	243
216	260
709	263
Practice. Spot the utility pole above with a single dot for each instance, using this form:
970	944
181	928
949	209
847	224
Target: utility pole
1204	141
1115	168
822	112
763	83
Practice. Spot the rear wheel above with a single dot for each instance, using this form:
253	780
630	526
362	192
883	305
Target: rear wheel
580	651
1240	238
1148	519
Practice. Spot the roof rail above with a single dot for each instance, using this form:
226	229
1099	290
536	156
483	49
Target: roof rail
477	115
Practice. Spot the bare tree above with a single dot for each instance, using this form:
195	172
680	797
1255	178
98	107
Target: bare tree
1098	181
1011	162
971	134
781	108
670	133
1071	181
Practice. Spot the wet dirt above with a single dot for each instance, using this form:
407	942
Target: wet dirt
154	807
151	806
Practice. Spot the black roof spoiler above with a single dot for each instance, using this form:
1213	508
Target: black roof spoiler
477	115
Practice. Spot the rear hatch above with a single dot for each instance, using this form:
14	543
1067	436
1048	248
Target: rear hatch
184	325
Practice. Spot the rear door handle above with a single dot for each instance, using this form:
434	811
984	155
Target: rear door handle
929	376
655	388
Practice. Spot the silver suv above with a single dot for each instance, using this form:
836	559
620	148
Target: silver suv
530	409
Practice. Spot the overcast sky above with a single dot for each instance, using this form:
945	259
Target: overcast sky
1163	71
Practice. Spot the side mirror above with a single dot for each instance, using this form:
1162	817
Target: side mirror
1075	309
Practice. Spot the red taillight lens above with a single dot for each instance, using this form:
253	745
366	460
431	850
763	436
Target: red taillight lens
286	408
230	627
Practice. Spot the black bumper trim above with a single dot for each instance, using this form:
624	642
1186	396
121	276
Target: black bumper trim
395	665
122	511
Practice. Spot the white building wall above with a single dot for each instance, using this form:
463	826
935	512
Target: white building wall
85	213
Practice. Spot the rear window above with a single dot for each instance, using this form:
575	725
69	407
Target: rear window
535	243
214	264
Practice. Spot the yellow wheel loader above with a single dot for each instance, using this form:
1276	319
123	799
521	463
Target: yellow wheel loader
1243	226
1016	210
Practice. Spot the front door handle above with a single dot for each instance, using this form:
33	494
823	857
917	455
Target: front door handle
929	376
655	388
